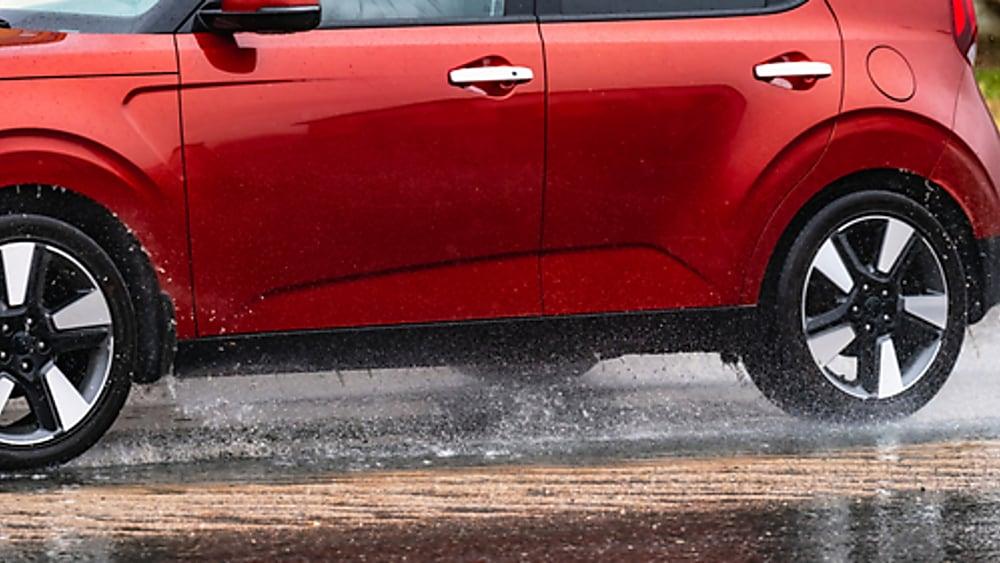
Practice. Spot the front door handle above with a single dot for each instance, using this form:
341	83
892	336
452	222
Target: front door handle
793	69
491	74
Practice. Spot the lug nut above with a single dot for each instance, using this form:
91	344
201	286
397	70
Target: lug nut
868	328
5	328
26	366
42	346
29	322
4	356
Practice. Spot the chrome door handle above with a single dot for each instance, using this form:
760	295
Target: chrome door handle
793	69
484	74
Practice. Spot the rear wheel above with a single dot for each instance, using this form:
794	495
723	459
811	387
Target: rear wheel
67	342
867	315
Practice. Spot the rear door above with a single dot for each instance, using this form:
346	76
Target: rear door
347	177
662	116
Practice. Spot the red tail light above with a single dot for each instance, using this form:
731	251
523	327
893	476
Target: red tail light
965	27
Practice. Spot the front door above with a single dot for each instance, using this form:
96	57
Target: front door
385	169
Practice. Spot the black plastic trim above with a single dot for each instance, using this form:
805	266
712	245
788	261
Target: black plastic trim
597	336
989	284
162	365
550	11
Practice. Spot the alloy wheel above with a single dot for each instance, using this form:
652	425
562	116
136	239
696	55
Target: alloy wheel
875	307
56	343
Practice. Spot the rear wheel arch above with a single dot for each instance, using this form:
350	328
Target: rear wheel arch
154	310
924	154
938	200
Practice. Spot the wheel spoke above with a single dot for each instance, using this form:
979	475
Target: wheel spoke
41	407
77	339
932	309
869	365
895	243
88	311
890	381
6	388
828	320
830	263
70	406
18	259
826	346
39	274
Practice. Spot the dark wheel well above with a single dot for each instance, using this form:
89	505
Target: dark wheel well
924	192
154	311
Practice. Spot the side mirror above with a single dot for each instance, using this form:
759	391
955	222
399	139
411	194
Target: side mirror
261	16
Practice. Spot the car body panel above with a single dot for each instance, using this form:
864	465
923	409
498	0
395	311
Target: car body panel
360	188
106	127
338	179
944	133
40	54
658	133
922	36
970	164
858	143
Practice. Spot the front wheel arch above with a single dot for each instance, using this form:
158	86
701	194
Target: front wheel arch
154	310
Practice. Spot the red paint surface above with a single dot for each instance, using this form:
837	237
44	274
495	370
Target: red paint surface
336	179
891	74
105	126
658	134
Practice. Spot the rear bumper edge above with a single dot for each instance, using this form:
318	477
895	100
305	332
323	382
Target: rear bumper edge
989	284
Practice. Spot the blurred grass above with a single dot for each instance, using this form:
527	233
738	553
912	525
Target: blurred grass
989	83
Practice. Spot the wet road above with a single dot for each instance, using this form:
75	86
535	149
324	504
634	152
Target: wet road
644	457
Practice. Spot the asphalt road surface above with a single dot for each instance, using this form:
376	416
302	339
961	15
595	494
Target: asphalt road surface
642	458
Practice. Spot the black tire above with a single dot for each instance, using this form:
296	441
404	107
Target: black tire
787	370
109	400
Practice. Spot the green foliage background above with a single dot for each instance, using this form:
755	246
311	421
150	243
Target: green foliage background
988	67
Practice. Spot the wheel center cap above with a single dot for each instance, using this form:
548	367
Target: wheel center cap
873	305
23	343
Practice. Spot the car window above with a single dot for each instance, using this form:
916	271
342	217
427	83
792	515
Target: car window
110	8
348	11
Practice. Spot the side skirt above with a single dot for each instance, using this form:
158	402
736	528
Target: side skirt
542	339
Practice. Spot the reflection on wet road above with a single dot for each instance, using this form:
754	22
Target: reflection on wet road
643	457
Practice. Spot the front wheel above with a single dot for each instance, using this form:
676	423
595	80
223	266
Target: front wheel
67	342
867	315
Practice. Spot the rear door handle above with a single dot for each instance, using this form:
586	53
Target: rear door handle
488	74
793	69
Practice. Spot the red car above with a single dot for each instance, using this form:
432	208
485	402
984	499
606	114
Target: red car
807	186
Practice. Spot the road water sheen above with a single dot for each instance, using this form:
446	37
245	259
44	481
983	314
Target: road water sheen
643	458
